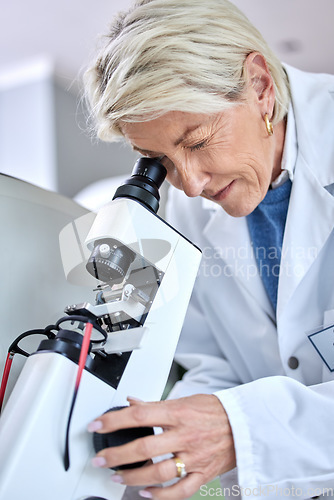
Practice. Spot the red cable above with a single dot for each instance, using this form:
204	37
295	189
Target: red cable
83	353
81	366
5	376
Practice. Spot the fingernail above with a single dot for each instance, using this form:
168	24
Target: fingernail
98	461
132	398
145	494
96	425
117	478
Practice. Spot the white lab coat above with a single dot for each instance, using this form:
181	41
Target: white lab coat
282	418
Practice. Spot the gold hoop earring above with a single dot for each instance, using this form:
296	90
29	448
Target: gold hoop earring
269	125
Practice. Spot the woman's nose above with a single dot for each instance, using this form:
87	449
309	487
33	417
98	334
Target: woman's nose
193	180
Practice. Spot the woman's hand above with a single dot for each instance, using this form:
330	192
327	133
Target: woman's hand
196	430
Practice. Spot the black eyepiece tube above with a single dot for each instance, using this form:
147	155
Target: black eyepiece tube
147	176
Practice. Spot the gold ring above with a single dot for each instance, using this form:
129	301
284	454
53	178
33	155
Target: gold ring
180	467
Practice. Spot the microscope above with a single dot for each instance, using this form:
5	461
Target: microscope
98	354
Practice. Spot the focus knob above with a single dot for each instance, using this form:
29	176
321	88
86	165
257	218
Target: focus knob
122	436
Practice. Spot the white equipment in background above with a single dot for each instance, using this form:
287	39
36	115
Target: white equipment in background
33	286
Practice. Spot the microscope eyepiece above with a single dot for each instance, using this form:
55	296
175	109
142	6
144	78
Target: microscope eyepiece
150	168
143	185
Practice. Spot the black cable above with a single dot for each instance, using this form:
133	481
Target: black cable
14	347
85	319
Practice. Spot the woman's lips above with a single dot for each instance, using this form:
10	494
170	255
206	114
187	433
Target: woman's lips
221	195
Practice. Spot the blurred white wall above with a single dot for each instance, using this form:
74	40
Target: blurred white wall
44	138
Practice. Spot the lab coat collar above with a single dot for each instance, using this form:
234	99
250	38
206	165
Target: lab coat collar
290	151
313	111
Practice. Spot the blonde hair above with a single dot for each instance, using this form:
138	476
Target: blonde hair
175	55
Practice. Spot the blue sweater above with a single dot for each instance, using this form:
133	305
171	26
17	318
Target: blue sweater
266	227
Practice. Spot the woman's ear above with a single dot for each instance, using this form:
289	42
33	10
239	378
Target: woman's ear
260	79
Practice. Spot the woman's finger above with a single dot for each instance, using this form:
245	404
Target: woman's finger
184	488
139	450
151	474
136	415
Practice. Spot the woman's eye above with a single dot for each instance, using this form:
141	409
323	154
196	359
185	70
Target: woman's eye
198	146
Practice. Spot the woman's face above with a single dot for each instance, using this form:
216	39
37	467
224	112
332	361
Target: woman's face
228	158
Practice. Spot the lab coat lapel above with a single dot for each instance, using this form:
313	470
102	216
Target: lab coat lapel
230	238
309	223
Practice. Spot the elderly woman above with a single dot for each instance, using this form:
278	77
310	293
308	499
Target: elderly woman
248	145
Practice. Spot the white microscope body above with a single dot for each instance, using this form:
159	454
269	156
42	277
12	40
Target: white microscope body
143	294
